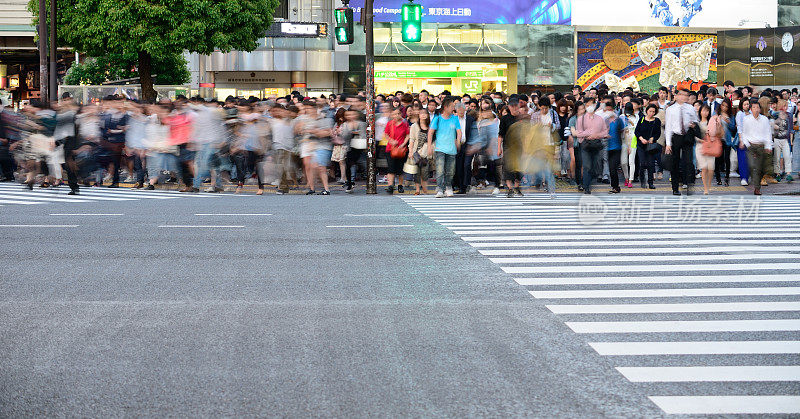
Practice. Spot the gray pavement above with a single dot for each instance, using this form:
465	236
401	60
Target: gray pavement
129	315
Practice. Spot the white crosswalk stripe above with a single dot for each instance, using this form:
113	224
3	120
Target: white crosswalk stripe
15	194
670	292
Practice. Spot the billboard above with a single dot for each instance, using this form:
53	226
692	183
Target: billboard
544	12
684	13
645	61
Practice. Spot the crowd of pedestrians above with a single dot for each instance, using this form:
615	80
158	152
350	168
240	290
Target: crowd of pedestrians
466	143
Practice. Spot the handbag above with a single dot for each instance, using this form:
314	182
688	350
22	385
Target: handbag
592	145
652	147
358	143
398	152
712	146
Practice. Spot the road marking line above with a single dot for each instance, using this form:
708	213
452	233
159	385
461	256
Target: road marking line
11	201
697	348
688	326
650	268
667	292
38	225
230	215
88	214
615	280
727	405
383	215
27	197
760	373
629	243
642	258
638	251
374	226
553	233
198	226
748	306
624	237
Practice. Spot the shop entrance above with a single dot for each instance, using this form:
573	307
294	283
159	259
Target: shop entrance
458	78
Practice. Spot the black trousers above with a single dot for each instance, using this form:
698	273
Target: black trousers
247	160
682	152
613	167
647	162
578	163
723	164
6	162
351	159
70	166
115	155
458	179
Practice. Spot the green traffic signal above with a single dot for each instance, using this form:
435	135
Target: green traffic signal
344	25
411	22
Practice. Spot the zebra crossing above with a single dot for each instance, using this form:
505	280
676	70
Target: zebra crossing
695	299
15	194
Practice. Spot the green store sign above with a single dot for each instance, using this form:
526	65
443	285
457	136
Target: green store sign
437	74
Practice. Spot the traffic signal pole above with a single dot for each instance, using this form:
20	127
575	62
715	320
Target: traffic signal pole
372	187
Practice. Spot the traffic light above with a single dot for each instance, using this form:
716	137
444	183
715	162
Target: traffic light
344	25
411	27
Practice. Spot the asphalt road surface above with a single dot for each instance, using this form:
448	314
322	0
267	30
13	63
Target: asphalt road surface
161	304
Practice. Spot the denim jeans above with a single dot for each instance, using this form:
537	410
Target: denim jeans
203	165
445	169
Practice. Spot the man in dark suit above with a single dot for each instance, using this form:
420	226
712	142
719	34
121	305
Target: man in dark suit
463	177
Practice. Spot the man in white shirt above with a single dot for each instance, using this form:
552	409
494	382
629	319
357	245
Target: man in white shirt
756	135
680	121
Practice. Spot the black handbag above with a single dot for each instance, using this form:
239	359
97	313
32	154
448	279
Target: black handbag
652	147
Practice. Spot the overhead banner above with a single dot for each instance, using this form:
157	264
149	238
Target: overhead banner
546	12
645	61
684	13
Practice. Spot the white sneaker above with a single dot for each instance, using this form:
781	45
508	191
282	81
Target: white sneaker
552	195
439	194
449	192
496	191
734	174
744	182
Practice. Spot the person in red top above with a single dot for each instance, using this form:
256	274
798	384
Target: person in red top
181	128
396	131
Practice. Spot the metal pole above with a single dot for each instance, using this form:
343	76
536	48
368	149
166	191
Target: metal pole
372	187
53	88
43	79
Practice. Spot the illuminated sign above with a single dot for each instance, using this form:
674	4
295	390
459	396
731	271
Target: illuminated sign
297	30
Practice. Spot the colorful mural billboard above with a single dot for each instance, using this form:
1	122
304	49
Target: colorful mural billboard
646	61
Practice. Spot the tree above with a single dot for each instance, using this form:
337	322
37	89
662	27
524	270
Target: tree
157	28
169	70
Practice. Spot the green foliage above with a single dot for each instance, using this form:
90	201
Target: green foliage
160	27
168	70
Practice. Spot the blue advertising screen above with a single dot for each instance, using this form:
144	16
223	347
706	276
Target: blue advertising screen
539	12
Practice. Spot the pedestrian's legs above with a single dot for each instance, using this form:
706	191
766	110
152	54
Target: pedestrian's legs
687	156
675	170
613	167
588	169
201	165
631	164
796	152
578	170
449	168
646	163
624	161
744	164
441	182
604	155
466	175
757	159
71	165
